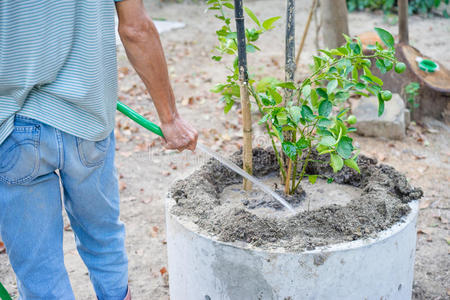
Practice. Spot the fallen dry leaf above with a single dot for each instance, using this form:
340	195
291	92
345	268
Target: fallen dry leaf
187	101
163	271
124	70
2	247
141	147
424	231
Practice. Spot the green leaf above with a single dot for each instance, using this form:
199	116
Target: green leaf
220	87
351	163
342	96
295	113
217	58
282	118
355	48
325	108
306	91
250	48
268	24
342	112
266	100
252	16
228	106
324	123
360	86
380	65
342	50
336	162
229	5
322	93
265	82
276	96
312	178
307	113
327	141
324	132
302	143
355	74
332	85
385	37
380	105
345	147
314	98
289	149
286	85
373	78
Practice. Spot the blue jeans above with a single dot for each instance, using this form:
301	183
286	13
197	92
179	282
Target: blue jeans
31	223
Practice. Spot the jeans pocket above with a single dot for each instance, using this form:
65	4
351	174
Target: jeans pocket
19	155
93	153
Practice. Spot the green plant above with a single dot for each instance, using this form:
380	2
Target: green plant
415	6
411	92
316	117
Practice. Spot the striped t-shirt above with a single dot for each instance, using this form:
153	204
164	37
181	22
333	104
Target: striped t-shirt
58	65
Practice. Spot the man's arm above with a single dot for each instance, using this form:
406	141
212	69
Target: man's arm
144	50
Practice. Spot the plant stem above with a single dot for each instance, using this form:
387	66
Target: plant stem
305	164
294	174
288	177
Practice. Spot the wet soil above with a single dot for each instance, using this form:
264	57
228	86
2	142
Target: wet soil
382	202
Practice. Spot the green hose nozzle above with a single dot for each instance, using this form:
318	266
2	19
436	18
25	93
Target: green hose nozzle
127	111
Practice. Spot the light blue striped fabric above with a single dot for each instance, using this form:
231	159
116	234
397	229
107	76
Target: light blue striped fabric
58	65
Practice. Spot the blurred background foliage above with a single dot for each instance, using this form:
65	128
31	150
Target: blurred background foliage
423	7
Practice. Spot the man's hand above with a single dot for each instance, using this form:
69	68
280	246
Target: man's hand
179	135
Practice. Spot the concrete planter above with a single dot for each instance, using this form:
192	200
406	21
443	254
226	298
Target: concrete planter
201	267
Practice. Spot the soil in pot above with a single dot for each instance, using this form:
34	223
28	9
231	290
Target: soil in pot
354	206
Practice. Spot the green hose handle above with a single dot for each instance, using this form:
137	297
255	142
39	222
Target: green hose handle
127	111
4	293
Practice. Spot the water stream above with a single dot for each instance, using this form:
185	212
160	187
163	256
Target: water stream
232	166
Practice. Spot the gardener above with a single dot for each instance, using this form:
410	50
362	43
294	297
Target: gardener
58	91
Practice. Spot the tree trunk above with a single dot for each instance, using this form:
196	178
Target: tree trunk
403	21
247	155
334	18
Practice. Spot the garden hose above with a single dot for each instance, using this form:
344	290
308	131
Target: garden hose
139	119
4	293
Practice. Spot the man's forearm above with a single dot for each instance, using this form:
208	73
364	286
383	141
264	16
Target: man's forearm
143	46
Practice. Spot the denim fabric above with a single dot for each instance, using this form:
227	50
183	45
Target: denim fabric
31	223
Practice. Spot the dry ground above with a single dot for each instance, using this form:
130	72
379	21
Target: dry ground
146	170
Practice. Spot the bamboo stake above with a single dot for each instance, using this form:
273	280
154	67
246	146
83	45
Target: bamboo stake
403	22
305	33
247	155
